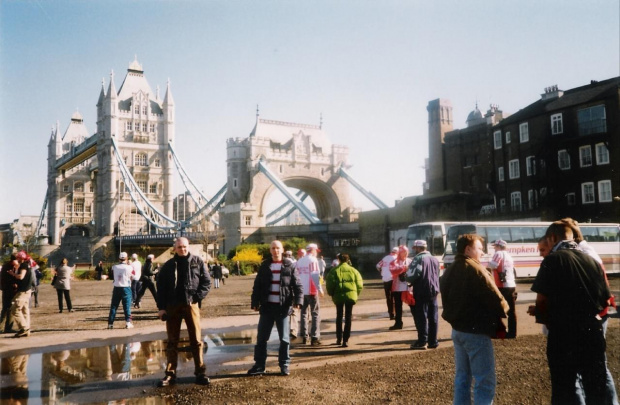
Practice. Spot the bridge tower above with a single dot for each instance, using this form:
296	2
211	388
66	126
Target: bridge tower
301	156
84	181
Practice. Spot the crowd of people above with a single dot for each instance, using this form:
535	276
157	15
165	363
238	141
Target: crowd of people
572	300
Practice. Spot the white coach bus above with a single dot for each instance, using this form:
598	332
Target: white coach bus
434	233
523	237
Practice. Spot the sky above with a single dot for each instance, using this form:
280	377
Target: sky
369	68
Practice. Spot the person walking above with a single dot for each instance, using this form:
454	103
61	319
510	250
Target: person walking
8	284
344	284
99	270
38	275
423	274
277	289
122	274
384	269
147	280
135	279
217	274
503	270
183	283
25	280
398	268
64	274
308	268
473	305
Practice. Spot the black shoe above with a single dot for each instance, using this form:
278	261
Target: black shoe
256	370
396	326
316	342
167	380
338	342
71	310
305	341
202	380
392	317
284	370
60	312
433	346
345	344
418	346
23	333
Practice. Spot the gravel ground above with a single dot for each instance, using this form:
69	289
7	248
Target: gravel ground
377	368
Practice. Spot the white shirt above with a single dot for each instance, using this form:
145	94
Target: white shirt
384	267
123	273
137	268
502	258
308	268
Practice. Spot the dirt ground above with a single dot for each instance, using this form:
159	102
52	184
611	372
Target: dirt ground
378	366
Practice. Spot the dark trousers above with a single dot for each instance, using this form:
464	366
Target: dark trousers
67	295
5	316
147	283
398	307
387	288
347	308
510	295
135	288
573	351
426	316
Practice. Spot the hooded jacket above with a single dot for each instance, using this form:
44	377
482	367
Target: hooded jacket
344	284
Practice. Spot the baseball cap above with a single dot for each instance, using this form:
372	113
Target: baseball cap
150	257
395	249
419	243
123	255
313	246
500	242
134	256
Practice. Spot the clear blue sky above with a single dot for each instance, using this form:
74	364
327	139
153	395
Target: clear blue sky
370	67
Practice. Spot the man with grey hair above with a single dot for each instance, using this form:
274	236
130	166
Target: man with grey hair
182	284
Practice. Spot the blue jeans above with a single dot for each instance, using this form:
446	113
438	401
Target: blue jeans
120	294
270	314
311	302
426	316
473	357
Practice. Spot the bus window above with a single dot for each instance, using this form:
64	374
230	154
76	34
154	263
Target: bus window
522	234
494	233
590	233
453	234
419	232
609	233
539	232
437	247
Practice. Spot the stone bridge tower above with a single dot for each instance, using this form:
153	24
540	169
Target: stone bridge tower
301	156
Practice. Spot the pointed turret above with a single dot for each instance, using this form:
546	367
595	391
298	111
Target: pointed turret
111	89
101	93
168	97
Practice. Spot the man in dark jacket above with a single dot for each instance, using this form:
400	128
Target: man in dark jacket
182	283
277	288
423	274
147	280
473	305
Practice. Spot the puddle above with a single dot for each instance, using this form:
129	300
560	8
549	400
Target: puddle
57	377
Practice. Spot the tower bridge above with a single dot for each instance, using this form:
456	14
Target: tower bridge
118	181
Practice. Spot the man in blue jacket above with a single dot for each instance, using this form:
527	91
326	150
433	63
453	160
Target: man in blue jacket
277	288
183	282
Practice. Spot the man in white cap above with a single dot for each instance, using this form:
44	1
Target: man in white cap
423	274
122	273
135	280
384	268
308	268
503	270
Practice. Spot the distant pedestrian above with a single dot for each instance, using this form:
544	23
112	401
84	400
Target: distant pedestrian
384	269
64	274
344	284
147	280
122	274
99	270
183	282
19	308
8	284
308	268
277	289
217	274
38	275
473	305
321	266
237	268
423	274
503	270
135	279
398	268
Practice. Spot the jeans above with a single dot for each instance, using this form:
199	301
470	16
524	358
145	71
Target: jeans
510	295
348	314
311	302
67	295
270	314
20	310
191	315
387	288
120	294
426	316
473	357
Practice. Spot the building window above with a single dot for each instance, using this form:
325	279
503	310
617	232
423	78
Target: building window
500	173
144	127
157	163
513	169
152	128
142	185
65	188
248	220
502	204
78	206
153	188
68	206
497	139
91	187
532	199
571	199
78	186
129	126
602	154
136	109
585	156
88	209
515	201
604	191
508	137
141	159
556	124
592	120
234	183
563	160
530	165
587	193
524	132
144	110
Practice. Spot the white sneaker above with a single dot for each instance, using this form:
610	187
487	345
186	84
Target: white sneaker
128	325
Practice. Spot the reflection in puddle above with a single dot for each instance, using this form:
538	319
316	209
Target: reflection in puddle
52	377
